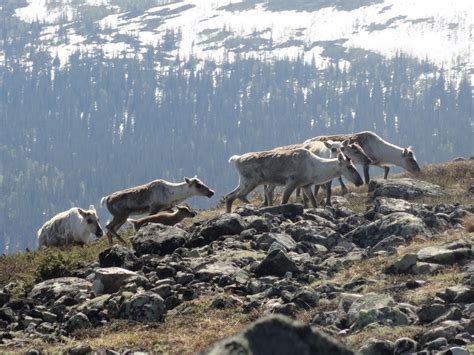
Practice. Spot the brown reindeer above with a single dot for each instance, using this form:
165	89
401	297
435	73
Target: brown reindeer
167	218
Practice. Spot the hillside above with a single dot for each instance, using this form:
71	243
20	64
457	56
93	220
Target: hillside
373	266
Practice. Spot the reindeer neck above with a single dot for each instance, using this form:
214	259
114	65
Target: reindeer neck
181	192
327	169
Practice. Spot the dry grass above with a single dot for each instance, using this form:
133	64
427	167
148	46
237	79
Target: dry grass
469	223
187	333
357	339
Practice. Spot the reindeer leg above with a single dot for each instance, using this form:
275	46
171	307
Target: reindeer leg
230	198
269	195
344	189
265	195
309	194
289	187
328	193
112	226
316	190
366	174
385	173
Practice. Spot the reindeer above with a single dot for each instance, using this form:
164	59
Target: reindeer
289	167
151	198
327	149
167	218
72	226
381	152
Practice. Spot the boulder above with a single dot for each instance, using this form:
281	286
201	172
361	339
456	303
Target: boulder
289	210
78	321
430	312
403	265
373	308
260	224
119	256
405	188
111	279
311	231
278	335
208	271
277	263
446	254
146	307
51	290
267	239
401	224
158	239
405	346
377	347
225	224
457	294
387	205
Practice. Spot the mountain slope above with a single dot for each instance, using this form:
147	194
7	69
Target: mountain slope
440	31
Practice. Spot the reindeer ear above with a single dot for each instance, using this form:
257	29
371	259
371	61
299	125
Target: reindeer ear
345	143
327	144
340	156
82	212
187	180
405	152
92	207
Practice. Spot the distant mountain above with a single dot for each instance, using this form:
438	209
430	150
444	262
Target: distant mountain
320	30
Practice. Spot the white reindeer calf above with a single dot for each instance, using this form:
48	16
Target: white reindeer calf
74	226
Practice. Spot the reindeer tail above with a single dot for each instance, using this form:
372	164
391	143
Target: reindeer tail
103	201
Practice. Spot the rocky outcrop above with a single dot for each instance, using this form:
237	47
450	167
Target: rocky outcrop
158	239
278	335
406	188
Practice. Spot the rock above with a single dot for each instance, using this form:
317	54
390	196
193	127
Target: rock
111	279
405	188
425	268
208	271
391	242
405	346
52	290
447	254
457	294
311	231
78	321
305	298
4	298
455	350
267	239
387	205
278	335
430	312
146	307
7	315
225	301
436	344
260	224
374	307
400	224
277	263
119	256
289	210
82	349
402	265
158	239
377	347
447	331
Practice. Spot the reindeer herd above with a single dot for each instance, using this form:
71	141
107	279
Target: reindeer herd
316	161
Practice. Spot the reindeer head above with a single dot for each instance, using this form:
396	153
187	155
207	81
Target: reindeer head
355	152
409	162
199	187
90	220
348	170
186	211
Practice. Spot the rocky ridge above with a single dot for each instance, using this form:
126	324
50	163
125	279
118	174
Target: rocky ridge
279	260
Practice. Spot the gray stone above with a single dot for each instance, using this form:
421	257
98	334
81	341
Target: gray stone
158	239
373	308
390	242
448	331
458	294
405	188
455	350
425	268
82	349
400	224
402	265
260	224
276	263
144	307
208	271
447	254
430	312
78	321
4	298
289	210
267	239
119	256
52	290
377	347
111	279
405	346
278	335
305	298
387	205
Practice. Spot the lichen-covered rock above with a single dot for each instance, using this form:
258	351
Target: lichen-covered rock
110	279
277	263
225	224
401	224
146	307
446	254
208	271
267	239
402	265
377	347
457	294
51	290
406	188
78	321
289	210
158	239
430	312
278	335
119	256
374	307
405	346
387	205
